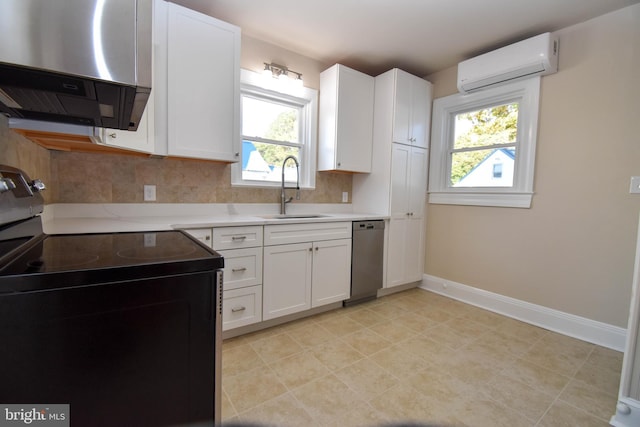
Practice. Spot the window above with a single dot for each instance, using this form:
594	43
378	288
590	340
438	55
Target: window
277	121
497	171
483	146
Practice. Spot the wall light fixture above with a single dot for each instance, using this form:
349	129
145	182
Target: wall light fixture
281	72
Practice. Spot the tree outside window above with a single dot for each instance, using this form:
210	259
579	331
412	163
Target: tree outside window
483	146
275	124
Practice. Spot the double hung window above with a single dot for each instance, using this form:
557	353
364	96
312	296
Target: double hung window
483	146
277	121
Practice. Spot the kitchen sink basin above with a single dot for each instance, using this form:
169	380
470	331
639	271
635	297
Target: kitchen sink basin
293	216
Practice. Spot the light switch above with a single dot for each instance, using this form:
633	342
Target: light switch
634	188
345	197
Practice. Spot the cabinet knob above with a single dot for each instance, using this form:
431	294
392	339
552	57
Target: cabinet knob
339	164
237	309
239	270
113	135
207	237
238	238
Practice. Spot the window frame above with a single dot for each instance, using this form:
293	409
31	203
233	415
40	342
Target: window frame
258	86
527	94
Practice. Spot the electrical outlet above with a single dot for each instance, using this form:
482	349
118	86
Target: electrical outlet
149	193
149	240
634	188
345	197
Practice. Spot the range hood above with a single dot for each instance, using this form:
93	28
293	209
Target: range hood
78	62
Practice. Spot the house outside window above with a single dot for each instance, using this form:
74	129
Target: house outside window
483	146
276	121
497	170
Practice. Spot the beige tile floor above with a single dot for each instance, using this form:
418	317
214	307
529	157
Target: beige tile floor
416	356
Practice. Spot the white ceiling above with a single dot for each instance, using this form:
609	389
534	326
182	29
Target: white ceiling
420	36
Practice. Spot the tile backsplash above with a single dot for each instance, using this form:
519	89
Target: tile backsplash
73	177
19	152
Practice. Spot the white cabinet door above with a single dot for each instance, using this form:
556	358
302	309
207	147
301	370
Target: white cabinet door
286	279
417	182
346	120
421	112
331	278
237	237
140	140
406	227
402	109
412	110
241	307
414	250
242	267
202	84
397	247
400	185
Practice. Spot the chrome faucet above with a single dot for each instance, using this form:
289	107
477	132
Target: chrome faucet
283	199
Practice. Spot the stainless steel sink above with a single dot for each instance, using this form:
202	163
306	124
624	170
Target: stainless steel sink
293	216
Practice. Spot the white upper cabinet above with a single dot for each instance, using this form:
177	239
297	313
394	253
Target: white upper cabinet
411	109
143	139
346	120
198	75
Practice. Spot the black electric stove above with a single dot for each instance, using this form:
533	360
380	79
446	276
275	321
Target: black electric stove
124	328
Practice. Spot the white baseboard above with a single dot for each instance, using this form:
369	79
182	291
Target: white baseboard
592	331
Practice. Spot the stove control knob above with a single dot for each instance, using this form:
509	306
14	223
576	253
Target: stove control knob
6	184
37	185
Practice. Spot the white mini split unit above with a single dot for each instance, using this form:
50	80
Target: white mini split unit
536	56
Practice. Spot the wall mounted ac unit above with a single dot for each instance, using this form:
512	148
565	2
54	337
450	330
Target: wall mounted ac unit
536	56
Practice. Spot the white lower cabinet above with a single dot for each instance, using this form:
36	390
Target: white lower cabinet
300	266
241	307
287	279
310	269
202	234
242	267
331	272
241	248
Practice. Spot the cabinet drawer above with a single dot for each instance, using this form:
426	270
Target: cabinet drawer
242	267
241	307
202	234
298	233
237	237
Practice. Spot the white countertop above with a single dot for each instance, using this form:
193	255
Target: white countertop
114	217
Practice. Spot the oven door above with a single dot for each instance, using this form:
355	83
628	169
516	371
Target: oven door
135	353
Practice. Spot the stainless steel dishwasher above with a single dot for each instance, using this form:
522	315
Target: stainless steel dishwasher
366	260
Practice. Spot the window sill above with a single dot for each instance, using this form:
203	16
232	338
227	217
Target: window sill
502	200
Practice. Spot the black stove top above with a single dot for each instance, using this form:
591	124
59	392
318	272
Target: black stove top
53	261
32	260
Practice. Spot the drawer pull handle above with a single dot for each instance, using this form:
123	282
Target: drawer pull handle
237	238
239	270
237	309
